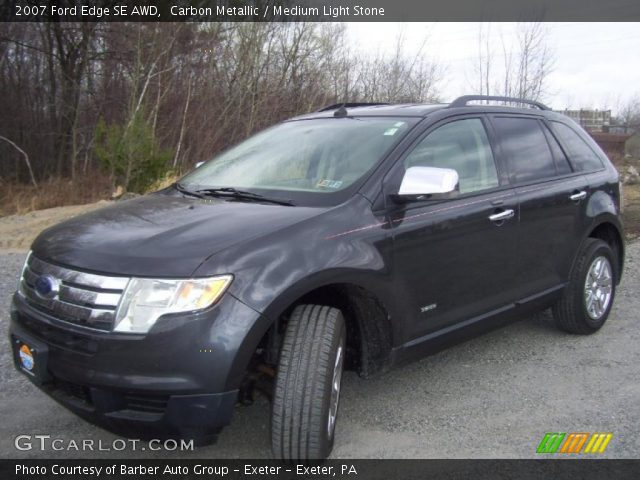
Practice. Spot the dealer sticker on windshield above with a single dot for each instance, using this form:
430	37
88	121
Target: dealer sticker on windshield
326	183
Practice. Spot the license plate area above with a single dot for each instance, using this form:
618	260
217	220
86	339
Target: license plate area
30	357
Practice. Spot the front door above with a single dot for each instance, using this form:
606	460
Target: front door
454	259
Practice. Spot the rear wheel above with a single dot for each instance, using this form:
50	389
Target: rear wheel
307	389
588	298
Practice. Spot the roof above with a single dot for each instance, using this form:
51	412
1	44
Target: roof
460	104
397	110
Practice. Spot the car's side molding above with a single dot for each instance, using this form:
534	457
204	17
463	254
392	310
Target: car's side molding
436	341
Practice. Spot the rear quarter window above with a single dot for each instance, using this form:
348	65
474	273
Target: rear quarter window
583	158
525	149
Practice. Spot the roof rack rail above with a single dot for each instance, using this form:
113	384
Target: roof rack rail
462	101
350	105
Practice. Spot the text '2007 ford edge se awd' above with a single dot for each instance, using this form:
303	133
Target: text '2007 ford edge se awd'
360	236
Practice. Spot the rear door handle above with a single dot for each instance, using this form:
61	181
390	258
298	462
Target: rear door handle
576	197
500	216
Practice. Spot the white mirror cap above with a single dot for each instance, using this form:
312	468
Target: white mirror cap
428	180
199	164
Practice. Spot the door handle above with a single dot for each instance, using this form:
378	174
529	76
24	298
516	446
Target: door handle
576	197
504	215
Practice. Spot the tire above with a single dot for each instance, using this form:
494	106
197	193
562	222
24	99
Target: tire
313	348
579	311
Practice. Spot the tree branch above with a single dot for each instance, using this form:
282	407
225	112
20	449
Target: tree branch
26	158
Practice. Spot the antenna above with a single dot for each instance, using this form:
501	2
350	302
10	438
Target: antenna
341	112
351	105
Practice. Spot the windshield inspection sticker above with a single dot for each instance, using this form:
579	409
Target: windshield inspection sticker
391	131
326	183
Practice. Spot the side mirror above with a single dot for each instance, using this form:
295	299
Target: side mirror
422	181
199	164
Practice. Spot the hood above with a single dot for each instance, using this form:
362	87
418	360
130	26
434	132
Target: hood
161	235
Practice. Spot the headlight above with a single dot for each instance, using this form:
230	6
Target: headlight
147	299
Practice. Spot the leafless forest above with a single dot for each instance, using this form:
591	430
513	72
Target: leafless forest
73	94
86	107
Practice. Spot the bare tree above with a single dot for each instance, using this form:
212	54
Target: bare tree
26	159
397	77
68	48
628	114
484	60
197	87
534	62
525	67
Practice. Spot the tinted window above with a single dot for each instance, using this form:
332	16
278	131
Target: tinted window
562	163
463	146
525	148
583	158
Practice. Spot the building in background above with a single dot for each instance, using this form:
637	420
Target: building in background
590	120
598	124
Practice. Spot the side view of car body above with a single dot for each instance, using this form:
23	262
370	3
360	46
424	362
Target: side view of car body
359	237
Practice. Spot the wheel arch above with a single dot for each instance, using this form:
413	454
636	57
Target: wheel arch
371	334
607	228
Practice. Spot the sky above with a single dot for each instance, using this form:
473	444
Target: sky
596	65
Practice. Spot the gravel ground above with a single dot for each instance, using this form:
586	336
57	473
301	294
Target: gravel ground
492	397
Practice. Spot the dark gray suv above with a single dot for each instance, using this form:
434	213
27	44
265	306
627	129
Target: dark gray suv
359	237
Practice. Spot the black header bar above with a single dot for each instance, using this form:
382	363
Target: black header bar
319	10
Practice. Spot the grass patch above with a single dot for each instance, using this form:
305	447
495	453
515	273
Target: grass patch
20	199
25	198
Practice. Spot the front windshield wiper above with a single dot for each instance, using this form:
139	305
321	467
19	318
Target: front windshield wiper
243	194
185	191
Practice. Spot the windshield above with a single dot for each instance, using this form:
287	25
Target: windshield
317	157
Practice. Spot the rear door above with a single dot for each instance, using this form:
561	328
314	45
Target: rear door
452	262
551	199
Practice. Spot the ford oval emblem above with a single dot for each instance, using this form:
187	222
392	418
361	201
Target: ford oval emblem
47	286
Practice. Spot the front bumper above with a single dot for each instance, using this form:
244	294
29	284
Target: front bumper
179	380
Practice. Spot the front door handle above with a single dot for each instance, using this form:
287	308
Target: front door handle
500	216
577	196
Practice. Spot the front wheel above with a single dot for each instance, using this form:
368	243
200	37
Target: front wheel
307	388
588	298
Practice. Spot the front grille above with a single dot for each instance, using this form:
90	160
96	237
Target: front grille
59	337
84	299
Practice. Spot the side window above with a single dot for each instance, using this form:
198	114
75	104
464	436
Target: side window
525	148
463	146
562	162
582	156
